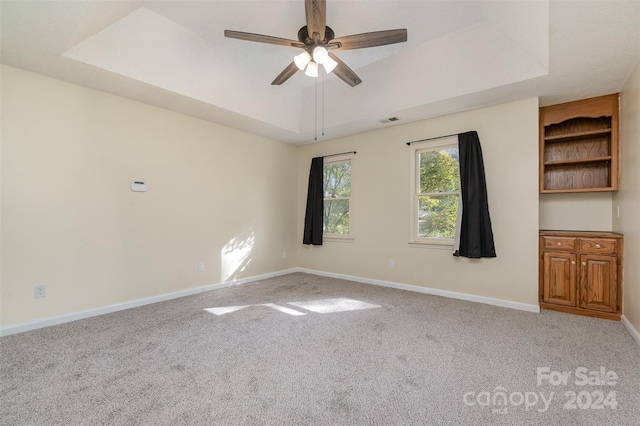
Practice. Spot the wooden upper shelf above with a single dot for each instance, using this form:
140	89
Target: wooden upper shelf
577	135
579	149
578	161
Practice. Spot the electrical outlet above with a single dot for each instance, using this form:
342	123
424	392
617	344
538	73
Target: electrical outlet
284	254
39	291
201	267
392	263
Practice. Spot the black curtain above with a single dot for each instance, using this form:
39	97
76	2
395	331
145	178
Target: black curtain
313	220
476	236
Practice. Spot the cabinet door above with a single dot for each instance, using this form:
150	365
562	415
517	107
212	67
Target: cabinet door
559	281
598	282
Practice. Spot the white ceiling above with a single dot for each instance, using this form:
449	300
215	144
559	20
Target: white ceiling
459	55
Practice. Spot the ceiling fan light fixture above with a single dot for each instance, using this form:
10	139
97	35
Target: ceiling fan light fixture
302	60
316	39
312	69
320	55
329	65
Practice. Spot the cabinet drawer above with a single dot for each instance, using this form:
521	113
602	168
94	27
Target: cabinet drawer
598	245
560	243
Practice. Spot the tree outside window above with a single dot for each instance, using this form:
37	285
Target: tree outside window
337	197
437	192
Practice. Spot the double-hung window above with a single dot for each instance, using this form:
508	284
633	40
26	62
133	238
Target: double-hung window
435	191
337	197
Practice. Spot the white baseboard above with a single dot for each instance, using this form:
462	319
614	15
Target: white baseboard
631	329
428	290
61	319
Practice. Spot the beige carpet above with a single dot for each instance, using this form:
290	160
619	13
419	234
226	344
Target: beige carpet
304	349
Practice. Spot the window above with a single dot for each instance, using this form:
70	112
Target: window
436	191
337	197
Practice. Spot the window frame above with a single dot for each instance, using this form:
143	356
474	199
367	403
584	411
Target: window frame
342	158
416	149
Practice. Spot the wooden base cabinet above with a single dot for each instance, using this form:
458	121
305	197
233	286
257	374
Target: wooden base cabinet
580	273
559	279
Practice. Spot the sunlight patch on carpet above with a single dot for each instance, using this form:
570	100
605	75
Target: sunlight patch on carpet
225	309
327	306
284	310
324	306
230	309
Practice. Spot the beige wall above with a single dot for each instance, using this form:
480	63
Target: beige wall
233	200
69	219
381	196
628	198
587	211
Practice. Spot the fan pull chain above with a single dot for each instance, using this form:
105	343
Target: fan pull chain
323	92
315	114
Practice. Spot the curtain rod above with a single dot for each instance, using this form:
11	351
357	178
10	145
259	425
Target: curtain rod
341	153
430	139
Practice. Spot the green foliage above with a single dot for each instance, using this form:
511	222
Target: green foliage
439	171
337	186
437	214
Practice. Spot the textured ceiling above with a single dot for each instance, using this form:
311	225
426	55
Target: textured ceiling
459	55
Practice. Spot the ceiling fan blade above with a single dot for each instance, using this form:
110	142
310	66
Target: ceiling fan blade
345	73
285	74
376	38
316	12
262	38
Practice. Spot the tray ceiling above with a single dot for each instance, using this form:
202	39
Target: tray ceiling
459	55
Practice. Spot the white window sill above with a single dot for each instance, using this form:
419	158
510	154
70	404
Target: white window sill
448	245
338	238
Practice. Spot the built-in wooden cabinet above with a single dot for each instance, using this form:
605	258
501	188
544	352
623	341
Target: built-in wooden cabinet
579	147
560	278
581	273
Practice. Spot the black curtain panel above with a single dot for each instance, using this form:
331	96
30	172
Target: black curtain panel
313	220
476	236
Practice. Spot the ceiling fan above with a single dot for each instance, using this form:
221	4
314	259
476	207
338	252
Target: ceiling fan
318	40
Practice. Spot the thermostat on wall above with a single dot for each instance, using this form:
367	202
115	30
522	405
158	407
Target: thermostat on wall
138	186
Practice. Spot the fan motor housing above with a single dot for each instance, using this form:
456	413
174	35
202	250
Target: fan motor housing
303	35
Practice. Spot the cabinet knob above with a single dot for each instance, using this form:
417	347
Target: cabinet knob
573	262
559	244
597	245
584	263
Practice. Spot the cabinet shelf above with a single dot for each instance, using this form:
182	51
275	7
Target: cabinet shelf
578	161
577	136
561	191
579	146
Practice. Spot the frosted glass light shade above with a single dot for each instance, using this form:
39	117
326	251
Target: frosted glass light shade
302	60
329	65
320	54
312	69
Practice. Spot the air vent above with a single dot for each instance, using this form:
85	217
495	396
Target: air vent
390	119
